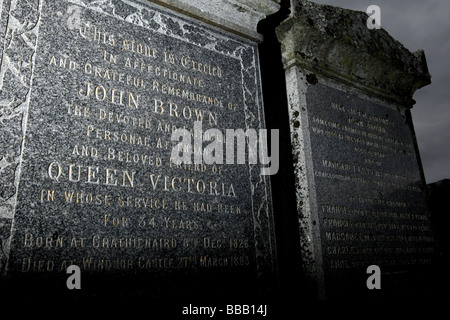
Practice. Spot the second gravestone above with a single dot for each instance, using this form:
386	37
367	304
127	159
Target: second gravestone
91	93
360	187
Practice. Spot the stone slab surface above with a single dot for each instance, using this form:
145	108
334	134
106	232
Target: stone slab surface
370	197
102	85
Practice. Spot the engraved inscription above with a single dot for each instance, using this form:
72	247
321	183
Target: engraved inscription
106	98
367	179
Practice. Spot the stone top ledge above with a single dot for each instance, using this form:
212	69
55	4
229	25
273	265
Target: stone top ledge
336	43
238	16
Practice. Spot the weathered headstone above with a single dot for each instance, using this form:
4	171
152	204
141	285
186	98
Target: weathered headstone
360	186
91	92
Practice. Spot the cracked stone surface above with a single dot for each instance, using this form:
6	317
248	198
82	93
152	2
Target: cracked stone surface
337	43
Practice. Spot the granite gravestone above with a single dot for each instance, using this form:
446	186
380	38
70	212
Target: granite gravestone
360	186
370	199
91	93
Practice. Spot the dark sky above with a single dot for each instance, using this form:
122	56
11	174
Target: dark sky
422	24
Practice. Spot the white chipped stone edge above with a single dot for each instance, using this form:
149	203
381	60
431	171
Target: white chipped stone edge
238	16
308	223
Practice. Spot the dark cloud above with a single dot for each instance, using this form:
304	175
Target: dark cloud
419	24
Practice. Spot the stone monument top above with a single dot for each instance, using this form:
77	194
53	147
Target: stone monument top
337	43
238	16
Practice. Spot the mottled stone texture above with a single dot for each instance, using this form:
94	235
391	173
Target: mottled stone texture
336	43
360	187
19	20
90	94
239	16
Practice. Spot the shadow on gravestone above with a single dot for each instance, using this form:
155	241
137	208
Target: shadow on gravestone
439	207
360	187
91	92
